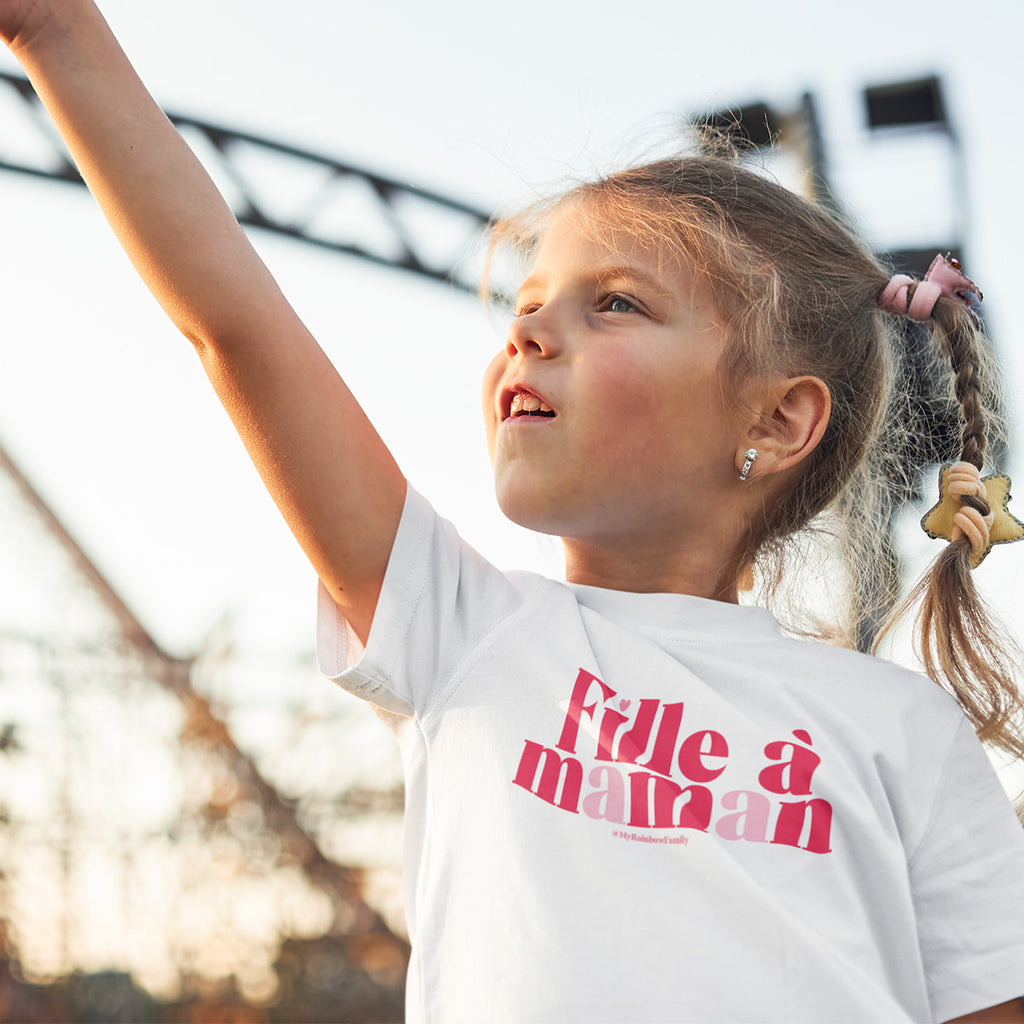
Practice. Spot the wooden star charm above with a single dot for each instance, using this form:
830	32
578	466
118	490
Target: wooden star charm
1005	527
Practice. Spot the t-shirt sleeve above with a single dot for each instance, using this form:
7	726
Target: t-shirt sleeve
438	600
967	875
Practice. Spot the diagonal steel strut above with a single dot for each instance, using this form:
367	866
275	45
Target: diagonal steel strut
399	226
175	675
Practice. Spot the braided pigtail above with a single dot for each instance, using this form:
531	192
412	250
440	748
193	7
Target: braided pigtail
960	643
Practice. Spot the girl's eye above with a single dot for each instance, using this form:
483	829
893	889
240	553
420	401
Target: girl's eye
620	304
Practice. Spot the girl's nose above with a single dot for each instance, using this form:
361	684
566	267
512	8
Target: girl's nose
533	334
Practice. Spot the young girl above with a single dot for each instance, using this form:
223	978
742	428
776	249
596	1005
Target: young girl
629	797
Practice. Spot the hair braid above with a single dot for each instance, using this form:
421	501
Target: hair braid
958	639
968	373
965	361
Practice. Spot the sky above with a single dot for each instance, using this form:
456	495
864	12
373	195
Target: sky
107	410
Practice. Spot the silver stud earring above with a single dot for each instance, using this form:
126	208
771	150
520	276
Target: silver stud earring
751	457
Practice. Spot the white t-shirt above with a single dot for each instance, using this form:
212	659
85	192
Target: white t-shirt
654	807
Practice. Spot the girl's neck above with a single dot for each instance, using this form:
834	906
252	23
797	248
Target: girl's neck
699	570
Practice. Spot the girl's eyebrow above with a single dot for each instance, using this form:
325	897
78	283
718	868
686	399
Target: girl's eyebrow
629	272
621	271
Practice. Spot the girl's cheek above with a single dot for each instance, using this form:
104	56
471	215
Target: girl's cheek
488	399
490	382
487	386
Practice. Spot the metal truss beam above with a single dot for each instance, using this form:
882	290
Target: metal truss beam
205	724
289	191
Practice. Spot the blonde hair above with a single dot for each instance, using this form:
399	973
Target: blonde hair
799	295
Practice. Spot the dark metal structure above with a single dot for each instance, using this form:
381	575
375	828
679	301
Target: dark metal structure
407	228
913	107
368	959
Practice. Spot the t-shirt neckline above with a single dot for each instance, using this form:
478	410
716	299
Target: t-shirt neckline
694	618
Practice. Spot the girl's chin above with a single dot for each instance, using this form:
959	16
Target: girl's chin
532	513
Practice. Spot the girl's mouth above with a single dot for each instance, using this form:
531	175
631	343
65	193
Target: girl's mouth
519	403
529	405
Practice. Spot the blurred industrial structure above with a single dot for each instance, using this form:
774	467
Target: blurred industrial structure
135	832
295	193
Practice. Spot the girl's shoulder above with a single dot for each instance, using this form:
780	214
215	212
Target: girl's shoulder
840	664
878	693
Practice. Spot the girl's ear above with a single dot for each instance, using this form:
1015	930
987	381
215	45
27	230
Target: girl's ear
794	413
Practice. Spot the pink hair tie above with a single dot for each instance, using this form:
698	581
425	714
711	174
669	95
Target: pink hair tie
944	277
894	299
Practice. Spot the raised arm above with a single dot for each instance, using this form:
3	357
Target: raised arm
325	466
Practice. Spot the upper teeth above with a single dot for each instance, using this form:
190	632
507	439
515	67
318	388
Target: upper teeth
528	403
